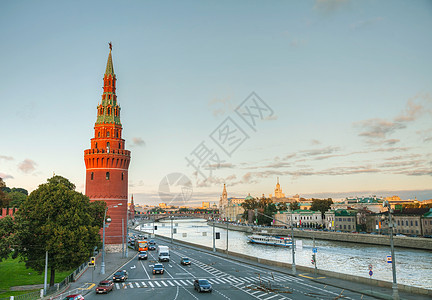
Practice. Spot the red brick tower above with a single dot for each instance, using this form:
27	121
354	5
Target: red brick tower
107	161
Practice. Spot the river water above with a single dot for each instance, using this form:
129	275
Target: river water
413	267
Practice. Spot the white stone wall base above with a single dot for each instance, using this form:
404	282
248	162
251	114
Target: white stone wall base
113	248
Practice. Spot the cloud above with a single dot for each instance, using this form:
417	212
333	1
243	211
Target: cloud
428	139
378	128
271	118
6	157
412	112
6	176
329	5
326	150
137	141
315	142
220	166
27	166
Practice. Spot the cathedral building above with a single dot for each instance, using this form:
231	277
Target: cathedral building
107	162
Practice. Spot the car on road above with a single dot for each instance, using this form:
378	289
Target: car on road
185	261
202	285
74	297
152	247
158	269
120	275
105	287
152	242
142	255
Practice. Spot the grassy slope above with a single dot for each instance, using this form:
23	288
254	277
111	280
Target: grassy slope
13	273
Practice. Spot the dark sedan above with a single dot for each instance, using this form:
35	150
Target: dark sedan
202	285
120	275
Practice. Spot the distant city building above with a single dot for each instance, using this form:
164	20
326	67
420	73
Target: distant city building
341	219
278	191
408	221
162	205
131	209
206	205
397	201
372	203
299	218
230	208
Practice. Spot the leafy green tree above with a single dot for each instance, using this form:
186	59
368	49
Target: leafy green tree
249	205
321	205
7	234
281	206
16	198
57	219
294	205
4	199
268	213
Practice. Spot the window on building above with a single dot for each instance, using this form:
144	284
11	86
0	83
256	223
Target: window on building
99	134
349	227
91	176
416	223
398	222
108	147
411	223
122	175
406	223
96	145
107	175
108	134
344	226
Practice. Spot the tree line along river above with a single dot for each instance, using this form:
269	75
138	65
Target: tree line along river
412	266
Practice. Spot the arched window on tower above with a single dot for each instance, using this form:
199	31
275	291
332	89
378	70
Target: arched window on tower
96	145
122	175
108	134
108	147
91	176
98	135
107	175
117	134
119	146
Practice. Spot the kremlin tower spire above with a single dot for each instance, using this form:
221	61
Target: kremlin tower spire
107	161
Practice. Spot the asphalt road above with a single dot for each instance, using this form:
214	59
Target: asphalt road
229	279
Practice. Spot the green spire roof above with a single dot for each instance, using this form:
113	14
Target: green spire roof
110	67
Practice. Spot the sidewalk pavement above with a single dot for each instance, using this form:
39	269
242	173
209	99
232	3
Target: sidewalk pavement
89	279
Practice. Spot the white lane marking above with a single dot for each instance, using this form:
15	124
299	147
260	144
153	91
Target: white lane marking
151	284
137	284
164	283
157	283
271	297
168	273
255	292
117	286
184	283
190	293
144	284
172	284
131	285
145	270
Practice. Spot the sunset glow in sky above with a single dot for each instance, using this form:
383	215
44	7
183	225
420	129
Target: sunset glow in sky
346	87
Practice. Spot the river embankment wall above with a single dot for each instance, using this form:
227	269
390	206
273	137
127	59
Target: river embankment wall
383	240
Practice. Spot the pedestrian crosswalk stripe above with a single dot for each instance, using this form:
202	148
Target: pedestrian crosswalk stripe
164	283
157	283
131	285
177	282
117	286
172	284
151	284
184	283
137	284
144	284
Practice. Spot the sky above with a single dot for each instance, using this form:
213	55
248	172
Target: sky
334	97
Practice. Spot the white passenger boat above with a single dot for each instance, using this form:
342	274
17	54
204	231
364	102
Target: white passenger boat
270	240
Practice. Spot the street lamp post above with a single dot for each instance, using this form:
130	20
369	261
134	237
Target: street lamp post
293	246
103	237
394	284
